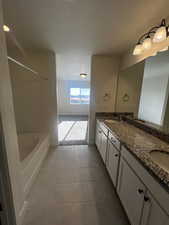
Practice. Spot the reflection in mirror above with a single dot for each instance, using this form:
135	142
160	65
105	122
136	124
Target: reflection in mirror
129	88
155	89
147	86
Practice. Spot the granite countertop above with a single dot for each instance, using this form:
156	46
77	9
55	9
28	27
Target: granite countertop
140	144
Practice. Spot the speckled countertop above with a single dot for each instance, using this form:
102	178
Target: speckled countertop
140	144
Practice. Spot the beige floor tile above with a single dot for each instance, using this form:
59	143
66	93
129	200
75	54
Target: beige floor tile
73	188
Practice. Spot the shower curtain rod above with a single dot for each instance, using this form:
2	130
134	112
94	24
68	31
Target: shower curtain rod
26	67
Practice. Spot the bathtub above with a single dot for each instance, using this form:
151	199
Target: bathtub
33	148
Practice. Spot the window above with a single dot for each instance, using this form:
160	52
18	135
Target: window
79	95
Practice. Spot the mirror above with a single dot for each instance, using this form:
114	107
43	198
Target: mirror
144	89
129	89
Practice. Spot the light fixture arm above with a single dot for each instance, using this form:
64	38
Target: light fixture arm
163	23
152	31
146	35
142	37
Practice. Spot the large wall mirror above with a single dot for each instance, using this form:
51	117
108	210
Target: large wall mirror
144	89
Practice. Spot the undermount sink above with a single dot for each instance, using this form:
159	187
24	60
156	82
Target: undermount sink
161	158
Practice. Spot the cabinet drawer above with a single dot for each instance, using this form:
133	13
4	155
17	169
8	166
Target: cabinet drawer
112	162
103	147
100	125
104	129
114	141
98	138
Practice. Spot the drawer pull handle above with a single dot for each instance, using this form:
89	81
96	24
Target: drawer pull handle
146	199
140	191
1	209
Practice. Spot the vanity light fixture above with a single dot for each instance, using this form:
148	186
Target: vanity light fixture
6	28
154	54
138	49
164	49
83	75
161	32
154	35
147	43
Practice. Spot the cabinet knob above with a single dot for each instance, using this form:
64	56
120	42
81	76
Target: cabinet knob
140	191
146	199
116	155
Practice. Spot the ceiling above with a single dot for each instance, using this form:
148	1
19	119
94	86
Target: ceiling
82	27
69	66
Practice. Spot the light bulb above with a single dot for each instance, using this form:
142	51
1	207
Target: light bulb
147	43
154	54
83	75
138	49
164	49
6	28
160	34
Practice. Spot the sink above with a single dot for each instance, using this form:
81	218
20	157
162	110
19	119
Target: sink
161	158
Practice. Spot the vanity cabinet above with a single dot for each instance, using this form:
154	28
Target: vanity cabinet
152	212
112	163
131	192
101	140
114	140
134	186
98	137
103	147
144	200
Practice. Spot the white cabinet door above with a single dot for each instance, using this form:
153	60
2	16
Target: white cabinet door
152	212
103	147
131	192
112	162
98	138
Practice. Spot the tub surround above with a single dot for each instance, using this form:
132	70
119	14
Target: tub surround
140	144
33	150
27	143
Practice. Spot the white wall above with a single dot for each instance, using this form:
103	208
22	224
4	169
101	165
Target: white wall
154	93
9	127
64	106
104	77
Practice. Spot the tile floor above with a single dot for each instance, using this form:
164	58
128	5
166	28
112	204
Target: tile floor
72	130
73	188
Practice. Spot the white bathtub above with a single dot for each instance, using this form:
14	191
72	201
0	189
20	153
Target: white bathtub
33	149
